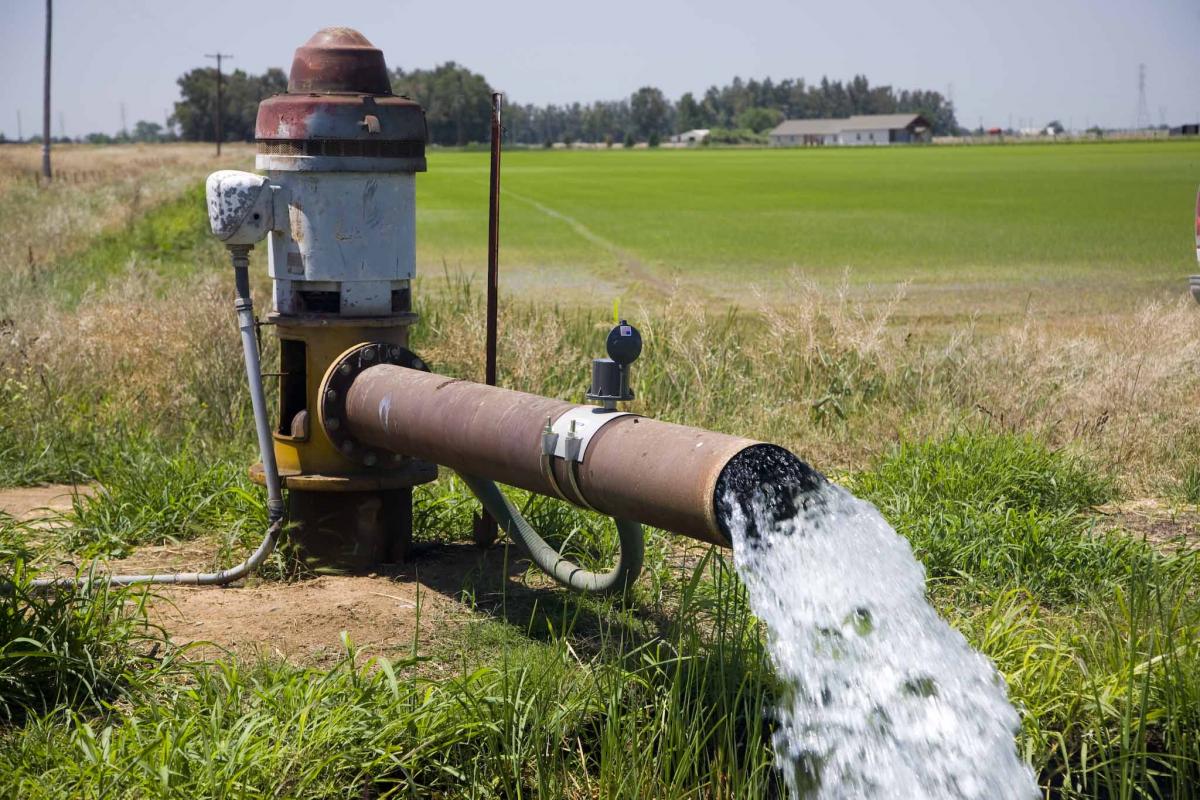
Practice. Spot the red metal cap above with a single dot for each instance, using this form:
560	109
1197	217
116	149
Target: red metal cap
339	60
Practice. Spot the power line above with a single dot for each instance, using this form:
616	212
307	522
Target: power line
218	56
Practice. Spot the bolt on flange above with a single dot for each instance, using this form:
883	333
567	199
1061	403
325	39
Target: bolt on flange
335	387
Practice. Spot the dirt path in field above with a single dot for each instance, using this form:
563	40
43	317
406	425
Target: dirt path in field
637	270
1166	527
30	503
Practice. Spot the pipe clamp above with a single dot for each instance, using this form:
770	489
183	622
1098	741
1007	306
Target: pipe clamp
575	429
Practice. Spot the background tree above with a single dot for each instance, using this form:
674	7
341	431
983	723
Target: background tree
689	114
458	106
145	131
759	119
650	112
195	110
457	101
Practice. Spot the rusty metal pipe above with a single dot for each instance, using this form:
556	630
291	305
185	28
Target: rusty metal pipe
670	476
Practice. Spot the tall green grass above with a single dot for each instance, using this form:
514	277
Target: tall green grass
70	648
1003	510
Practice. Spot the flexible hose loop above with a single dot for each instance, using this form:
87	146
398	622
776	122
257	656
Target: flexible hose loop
619	579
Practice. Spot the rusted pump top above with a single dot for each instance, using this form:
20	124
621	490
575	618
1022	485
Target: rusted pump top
339	113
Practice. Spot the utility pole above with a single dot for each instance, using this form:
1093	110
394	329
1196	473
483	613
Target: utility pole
62	126
20	133
218	56
46	101
124	127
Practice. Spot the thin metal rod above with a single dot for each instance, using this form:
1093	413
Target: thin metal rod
218	56
493	279
485	524
46	100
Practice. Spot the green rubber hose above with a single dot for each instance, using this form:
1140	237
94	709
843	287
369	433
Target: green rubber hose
619	579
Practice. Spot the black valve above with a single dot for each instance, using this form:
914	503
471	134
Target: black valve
610	376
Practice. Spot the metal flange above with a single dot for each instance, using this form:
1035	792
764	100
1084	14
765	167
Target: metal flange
335	386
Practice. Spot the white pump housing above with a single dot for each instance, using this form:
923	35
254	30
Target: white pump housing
346	242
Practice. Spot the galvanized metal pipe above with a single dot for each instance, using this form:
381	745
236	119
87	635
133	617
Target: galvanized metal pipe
634	468
239	255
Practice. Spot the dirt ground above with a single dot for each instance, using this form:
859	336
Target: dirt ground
1163	525
29	503
420	604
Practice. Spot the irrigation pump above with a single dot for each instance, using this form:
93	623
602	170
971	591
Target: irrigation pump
361	418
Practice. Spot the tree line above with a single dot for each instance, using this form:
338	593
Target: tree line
458	106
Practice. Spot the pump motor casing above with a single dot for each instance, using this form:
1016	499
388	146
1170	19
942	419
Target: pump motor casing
344	152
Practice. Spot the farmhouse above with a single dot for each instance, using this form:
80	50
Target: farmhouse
862	129
690	138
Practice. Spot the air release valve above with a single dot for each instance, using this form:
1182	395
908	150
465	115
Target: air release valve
610	376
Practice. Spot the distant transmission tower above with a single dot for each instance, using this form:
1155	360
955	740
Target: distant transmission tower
1143	110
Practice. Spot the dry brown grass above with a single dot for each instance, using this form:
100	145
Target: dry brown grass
100	188
840	381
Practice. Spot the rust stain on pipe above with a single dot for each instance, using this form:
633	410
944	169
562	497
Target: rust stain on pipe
657	473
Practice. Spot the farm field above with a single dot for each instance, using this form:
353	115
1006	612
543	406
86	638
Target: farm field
1099	220
993	345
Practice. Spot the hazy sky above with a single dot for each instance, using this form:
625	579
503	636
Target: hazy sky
1003	59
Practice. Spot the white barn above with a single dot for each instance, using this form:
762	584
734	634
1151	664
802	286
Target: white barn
862	129
690	138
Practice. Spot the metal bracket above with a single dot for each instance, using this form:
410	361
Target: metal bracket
587	420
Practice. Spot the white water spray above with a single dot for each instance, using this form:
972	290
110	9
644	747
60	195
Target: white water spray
885	700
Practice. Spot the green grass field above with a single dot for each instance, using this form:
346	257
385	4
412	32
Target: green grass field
723	218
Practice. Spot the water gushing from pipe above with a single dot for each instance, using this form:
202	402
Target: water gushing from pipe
883	698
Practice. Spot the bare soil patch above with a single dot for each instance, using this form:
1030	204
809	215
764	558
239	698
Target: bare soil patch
421	603
29	503
1163	525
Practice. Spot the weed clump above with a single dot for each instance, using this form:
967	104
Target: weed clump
75	647
1001	509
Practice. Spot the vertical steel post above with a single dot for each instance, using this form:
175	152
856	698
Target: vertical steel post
493	286
485	526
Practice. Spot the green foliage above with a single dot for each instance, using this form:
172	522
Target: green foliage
1002	510
174	236
667	717
649	112
735	136
195	111
1189	486
457	101
158	495
759	120
74	647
